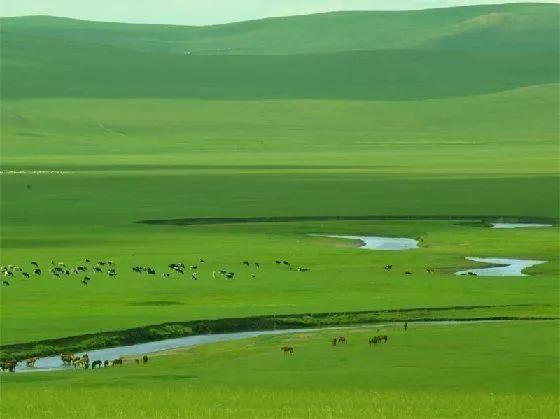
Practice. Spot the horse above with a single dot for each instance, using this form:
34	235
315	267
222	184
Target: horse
377	339
66	359
342	339
287	350
106	363
96	363
333	341
8	365
117	361
145	359
31	361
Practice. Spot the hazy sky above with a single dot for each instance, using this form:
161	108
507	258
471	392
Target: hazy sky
202	12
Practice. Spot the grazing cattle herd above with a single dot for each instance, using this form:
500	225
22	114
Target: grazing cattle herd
88	270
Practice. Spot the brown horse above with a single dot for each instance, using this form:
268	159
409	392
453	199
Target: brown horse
342	339
287	350
333	341
31	361
67	359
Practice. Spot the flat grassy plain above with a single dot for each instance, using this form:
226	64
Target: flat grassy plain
468	370
440	125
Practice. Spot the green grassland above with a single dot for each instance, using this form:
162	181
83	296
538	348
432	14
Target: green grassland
104	125
492	28
476	370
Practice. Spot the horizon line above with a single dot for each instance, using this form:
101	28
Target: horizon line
541	3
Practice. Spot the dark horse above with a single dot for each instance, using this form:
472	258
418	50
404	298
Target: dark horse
377	339
287	350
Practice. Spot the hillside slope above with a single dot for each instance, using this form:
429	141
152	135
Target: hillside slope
410	55
496	28
55	68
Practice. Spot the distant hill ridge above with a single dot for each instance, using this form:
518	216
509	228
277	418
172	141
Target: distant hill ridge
531	27
411	55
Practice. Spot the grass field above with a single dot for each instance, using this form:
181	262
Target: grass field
476	370
445	124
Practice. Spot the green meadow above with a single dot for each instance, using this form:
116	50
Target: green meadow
451	124
476	370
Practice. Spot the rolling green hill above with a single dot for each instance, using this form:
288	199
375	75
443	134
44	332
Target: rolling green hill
496	28
416	55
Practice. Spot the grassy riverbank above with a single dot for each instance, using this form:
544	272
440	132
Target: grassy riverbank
174	330
467	370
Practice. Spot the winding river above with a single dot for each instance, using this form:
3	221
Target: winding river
519	225
378	242
506	267
54	363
